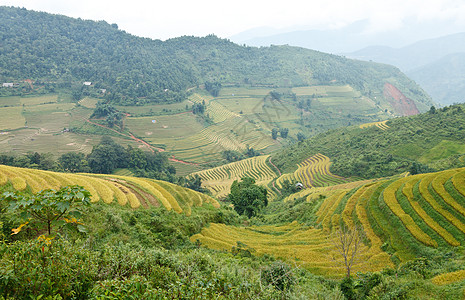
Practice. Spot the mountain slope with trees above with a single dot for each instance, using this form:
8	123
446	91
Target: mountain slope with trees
425	142
61	52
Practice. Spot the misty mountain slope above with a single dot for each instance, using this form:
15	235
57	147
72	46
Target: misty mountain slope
348	38
443	79
436	64
415	55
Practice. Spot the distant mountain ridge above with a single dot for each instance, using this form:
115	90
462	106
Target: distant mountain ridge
438	65
349	38
415	55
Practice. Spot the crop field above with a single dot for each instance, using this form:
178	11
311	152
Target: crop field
313	172
215	110
160	128
427	209
325	90
297	244
241	117
89	102
238	91
38	125
11	118
155	109
381	125
405	214
218	180
10	101
184	169
132	191
37	100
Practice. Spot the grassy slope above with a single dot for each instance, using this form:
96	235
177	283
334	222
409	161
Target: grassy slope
373	152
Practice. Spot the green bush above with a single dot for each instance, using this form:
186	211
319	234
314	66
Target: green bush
47	268
279	275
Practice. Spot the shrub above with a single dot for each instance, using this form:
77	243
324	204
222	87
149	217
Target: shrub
279	275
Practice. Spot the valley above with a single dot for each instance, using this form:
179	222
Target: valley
196	168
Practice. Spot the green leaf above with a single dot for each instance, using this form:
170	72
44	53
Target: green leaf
37	206
75	213
63	205
81	228
58	223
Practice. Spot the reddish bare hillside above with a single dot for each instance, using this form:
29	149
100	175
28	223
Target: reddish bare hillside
401	104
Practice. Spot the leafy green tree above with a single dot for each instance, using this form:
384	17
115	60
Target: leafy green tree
194	183
251	152
300	136
274	133
74	162
213	88
231	155
107	156
49	208
284	132
279	275
247	197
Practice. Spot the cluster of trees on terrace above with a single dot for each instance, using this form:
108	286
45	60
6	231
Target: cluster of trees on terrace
105	157
62	51
233	155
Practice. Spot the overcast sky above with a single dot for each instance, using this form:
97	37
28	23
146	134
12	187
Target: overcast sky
171	18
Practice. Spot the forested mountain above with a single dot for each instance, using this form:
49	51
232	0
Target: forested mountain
63	52
425	142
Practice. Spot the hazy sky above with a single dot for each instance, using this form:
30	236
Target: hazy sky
172	18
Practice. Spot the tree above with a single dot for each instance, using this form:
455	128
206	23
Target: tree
49	208
274	133
74	162
213	88
232	155
107	156
247	197
284	132
194	183
348	243
300	136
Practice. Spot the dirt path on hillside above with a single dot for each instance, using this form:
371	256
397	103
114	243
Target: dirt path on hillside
130	135
138	140
269	159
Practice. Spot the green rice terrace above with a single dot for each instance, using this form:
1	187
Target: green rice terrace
237	119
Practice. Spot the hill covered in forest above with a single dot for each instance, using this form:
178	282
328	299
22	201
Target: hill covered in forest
61	52
428	141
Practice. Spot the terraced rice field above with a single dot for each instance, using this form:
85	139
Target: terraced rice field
215	110
381	125
313	172
306	247
132	191
208	144
404	215
218	180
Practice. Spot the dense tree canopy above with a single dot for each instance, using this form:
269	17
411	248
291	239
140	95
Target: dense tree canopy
247	197
60	52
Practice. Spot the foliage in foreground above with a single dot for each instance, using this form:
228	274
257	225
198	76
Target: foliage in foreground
146	254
